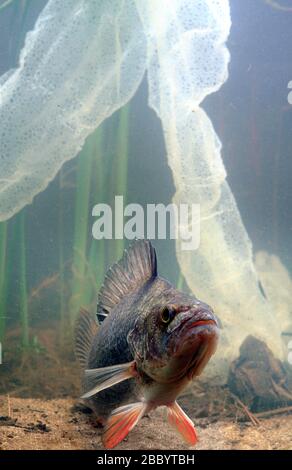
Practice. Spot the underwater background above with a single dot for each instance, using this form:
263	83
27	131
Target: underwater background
51	265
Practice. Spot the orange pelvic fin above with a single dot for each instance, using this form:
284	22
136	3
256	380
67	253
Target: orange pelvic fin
182	423
120	423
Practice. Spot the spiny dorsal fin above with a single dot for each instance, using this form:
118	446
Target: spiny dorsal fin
85	330
137	266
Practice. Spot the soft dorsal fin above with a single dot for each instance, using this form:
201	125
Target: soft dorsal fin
137	266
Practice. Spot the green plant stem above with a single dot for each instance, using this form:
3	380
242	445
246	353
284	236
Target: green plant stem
97	249
100	195
84	169
122	157
19	17
61	256
180	281
96	252
3	279
23	283
6	4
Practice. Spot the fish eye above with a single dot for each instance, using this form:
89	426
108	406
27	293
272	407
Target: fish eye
167	315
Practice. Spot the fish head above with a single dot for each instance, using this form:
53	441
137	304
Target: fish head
175	340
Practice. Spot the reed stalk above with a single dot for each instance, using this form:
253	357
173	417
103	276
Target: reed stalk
23	307
18	25
81	227
6	4
21	9
102	164
96	258
16	227
62	299
3	278
122	158
98	246
180	281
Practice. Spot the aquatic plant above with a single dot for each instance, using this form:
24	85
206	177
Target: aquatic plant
61	256
180	282
81	226
121	167
96	258
99	177
8	244
83	71
3	278
23	299
277	6
6	4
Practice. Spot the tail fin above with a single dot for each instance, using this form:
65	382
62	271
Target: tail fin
86	328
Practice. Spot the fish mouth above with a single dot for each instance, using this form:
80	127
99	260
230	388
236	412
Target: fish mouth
201	357
203	322
192	318
195	340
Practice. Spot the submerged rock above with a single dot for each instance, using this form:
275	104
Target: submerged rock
259	379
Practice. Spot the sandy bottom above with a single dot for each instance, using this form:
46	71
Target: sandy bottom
58	424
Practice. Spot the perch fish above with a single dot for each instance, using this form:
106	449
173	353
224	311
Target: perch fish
150	341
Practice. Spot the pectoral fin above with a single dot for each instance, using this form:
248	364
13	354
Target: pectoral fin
120	423
182	423
105	377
